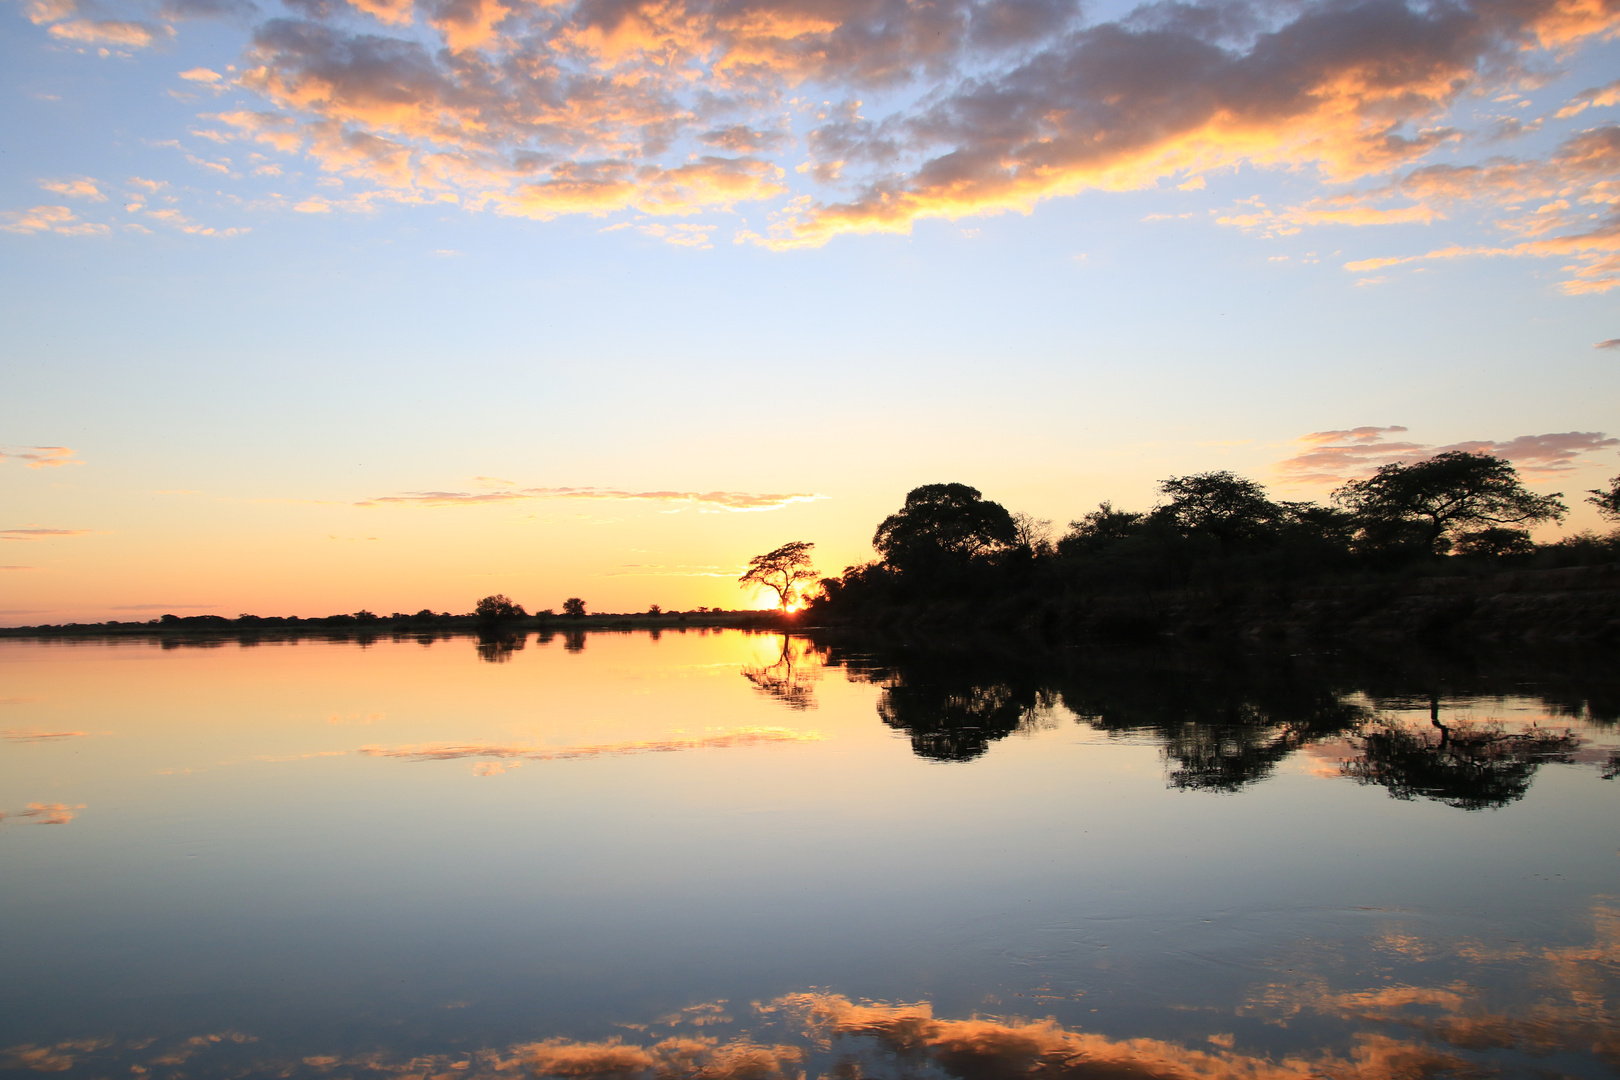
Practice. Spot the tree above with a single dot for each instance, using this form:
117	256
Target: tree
944	523
1221	504
493	608
1427	502
574	607
781	571
1034	534
1607	502
1099	529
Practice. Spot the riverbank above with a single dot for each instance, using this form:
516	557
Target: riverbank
1564	605
203	627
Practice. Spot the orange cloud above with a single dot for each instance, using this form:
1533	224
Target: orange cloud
40	736
52	219
40	457
129	35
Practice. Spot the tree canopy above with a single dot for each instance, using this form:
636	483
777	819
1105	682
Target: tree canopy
944	523
781	570
499	606
574	607
1229	507
1607	502
1427	503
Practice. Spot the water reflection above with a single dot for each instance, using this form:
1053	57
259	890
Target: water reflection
792	676
1227	720
497	646
1469	766
1555	1015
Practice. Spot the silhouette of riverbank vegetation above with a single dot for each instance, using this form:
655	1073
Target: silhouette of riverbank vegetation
1417	550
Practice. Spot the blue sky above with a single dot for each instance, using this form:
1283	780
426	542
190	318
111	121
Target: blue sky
268	265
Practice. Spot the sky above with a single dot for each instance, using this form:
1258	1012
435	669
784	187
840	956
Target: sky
319	305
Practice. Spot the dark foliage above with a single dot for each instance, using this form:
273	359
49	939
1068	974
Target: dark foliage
950	557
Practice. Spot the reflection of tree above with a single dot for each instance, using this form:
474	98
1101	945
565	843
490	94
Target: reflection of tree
791	678
1469	767
1223	722
495	647
1226	718
957	720
574	641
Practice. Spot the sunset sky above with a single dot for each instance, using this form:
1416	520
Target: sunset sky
314	305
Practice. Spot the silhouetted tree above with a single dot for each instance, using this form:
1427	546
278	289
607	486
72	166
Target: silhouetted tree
1607	502
1034	535
497	607
1425	503
944	523
1496	543
1228	507
574	607
654	610
1099	529
781	571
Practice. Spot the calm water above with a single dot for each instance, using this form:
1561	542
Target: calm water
742	858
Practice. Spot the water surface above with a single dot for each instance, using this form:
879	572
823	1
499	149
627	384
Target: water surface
743	856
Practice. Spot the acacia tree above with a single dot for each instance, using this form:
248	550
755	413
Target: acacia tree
1607	502
943	523
781	571
1455	492
574	607
1229	507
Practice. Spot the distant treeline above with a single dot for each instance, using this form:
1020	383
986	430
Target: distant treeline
949	554
495	613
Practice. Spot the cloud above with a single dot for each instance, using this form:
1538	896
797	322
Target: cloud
668	109
117	32
52	219
1586	99
41	534
202	75
1351	90
46	813
751	736
81	188
39	736
1611	343
735	501
1337	456
40	457
16	567
1565	206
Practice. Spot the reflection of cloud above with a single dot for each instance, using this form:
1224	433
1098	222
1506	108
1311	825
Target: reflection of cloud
1335	456
46	813
751	736
1567	1012
740	501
